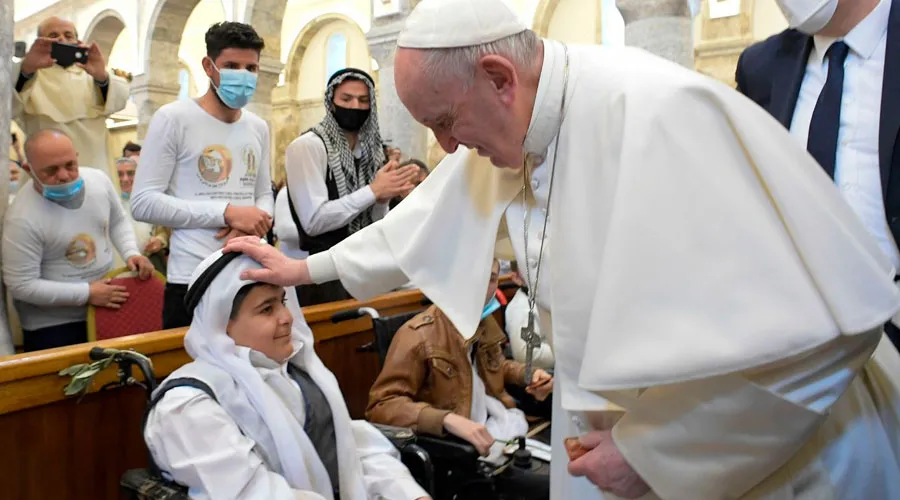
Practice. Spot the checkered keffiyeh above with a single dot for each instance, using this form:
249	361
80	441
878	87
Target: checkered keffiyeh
347	176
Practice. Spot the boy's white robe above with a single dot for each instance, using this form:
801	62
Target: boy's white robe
706	276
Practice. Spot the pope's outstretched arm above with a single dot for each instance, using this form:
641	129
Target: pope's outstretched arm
442	239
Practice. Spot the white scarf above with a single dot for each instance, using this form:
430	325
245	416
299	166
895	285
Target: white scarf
299	462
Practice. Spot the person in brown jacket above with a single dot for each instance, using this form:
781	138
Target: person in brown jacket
428	380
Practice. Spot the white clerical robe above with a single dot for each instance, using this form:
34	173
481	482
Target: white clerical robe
67	99
712	298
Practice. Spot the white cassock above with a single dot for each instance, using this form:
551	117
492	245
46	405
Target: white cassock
67	99
713	299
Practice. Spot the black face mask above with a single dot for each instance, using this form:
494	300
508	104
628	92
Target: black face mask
350	120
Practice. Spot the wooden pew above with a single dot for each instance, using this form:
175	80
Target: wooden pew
54	447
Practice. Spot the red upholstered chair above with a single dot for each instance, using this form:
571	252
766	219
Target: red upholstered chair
141	313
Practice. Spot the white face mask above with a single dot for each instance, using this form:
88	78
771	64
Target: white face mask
808	16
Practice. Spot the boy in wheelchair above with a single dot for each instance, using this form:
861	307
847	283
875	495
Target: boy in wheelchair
257	415
435	382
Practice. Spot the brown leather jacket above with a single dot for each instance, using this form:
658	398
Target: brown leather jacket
427	373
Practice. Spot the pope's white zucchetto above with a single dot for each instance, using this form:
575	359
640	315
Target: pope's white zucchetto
444	24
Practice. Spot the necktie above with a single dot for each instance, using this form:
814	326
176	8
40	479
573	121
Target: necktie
826	119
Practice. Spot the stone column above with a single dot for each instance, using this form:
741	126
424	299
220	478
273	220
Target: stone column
269	70
6	89
721	42
286	119
397	125
663	27
148	97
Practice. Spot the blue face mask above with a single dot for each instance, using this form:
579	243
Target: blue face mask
236	87
63	192
126	196
491	306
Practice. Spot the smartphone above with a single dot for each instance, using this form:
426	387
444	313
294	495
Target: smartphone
68	54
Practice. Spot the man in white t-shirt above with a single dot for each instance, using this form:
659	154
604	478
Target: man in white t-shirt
205	164
58	244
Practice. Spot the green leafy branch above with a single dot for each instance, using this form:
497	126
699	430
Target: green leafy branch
83	373
83	376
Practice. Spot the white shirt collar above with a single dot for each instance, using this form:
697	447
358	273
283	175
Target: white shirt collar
546	116
863	39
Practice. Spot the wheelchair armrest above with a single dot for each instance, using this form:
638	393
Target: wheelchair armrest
141	484
400	437
447	447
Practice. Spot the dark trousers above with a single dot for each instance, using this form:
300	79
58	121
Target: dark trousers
310	295
55	336
893	333
175	314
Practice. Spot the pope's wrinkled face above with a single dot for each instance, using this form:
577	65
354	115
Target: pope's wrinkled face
261	321
481	116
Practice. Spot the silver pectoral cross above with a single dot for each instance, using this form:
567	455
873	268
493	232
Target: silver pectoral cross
532	342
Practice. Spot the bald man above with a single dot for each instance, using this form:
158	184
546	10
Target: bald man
76	99
58	244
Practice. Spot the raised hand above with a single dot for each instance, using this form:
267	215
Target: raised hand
392	181
96	64
278	269
38	57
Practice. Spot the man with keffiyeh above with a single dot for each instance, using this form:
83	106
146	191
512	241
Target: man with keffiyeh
339	180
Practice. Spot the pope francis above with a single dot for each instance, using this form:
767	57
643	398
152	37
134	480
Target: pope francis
715	308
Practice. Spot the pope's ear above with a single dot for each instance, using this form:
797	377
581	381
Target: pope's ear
500	72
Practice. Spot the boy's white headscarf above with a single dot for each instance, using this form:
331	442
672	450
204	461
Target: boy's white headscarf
208	341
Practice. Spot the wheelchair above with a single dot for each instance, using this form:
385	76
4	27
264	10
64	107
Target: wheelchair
149	484
457	471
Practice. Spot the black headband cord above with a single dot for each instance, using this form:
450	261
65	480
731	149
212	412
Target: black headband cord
199	287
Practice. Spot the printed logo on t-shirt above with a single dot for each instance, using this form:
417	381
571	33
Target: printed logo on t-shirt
81	251
248	155
214	166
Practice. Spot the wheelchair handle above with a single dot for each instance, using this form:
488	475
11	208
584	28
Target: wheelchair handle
99	353
352	314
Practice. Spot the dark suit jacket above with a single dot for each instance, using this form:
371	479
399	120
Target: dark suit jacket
771	72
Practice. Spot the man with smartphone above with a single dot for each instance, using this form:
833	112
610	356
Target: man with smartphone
63	83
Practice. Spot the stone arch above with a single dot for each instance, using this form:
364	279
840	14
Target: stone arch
104	29
302	42
543	15
158	85
587	27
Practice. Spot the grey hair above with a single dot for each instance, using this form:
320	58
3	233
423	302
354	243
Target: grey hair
127	160
459	62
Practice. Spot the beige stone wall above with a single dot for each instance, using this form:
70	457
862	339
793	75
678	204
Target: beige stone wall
575	21
719	42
